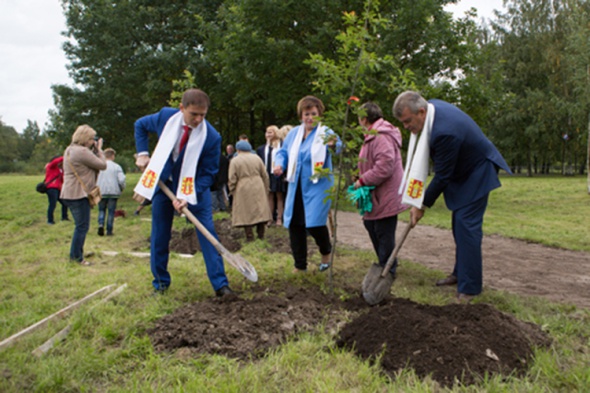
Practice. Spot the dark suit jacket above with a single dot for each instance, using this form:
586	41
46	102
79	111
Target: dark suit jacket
466	163
208	163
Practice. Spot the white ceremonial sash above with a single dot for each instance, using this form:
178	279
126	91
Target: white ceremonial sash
416	173
318	152
192	153
148	181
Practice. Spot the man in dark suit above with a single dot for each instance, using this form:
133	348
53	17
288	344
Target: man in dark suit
466	166
180	130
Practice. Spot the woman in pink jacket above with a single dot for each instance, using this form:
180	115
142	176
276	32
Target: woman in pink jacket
380	165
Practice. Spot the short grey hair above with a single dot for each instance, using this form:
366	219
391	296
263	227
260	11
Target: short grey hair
411	100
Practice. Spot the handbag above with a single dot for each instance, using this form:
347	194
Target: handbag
94	195
42	187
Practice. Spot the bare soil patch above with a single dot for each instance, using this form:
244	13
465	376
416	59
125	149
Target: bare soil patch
450	343
512	265
454	342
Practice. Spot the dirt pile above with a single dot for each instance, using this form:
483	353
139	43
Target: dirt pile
447	342
240	328
453	342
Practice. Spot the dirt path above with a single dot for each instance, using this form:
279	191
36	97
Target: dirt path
513	265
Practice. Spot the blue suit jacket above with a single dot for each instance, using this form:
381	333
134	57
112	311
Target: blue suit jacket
208	163
466	163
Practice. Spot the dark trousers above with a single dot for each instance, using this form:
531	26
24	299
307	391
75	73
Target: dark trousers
162	218
53	198
468	233
298	234
382	234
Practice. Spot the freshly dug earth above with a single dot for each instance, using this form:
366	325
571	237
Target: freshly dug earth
453	342
449	342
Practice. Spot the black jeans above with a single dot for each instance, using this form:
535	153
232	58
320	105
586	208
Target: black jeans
382	234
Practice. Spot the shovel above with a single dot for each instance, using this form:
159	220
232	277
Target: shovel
235	260
378	281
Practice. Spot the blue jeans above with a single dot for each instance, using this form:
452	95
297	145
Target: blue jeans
103	205
53	198
80	209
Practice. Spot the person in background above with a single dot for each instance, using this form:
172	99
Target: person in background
466	165
112	183
283	131
142	205
380	166
247	181
83	159
230	150
54	178
218	189
307	148
186	159
278	186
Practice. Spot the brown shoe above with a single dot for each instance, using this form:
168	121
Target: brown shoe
463	298
448	280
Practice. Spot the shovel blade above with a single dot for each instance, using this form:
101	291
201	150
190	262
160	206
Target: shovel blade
242	265
375	287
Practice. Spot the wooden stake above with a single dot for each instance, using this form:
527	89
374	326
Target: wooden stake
41	350
60	313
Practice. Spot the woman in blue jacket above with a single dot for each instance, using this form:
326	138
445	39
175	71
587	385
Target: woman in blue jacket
305	152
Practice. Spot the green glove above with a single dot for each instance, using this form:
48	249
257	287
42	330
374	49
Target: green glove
362	197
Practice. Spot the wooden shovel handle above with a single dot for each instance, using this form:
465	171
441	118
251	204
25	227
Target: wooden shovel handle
200	227
396	250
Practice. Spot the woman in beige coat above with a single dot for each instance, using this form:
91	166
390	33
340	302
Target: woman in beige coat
83	160
248	183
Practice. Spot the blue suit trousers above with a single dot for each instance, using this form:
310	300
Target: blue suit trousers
468	234
162	217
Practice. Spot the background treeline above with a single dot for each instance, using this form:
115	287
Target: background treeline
524	76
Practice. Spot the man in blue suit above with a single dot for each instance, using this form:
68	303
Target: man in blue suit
181	132
466	168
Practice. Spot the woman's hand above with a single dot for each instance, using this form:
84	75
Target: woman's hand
277	170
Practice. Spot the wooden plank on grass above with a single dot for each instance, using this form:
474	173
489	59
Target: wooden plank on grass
60	313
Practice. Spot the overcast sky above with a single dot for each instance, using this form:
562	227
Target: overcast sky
31	58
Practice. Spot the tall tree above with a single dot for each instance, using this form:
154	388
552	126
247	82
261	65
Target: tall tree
123	57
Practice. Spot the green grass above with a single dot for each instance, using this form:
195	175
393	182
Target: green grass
108	349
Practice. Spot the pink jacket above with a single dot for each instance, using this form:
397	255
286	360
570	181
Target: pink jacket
380	165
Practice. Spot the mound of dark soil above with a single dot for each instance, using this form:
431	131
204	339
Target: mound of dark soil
239	328
454	342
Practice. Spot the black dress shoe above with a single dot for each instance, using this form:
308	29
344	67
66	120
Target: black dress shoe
223	291
448	280
100	231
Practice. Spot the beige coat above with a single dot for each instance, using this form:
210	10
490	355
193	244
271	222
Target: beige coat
87	165
248	183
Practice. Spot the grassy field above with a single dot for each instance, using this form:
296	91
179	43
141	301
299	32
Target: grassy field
108	349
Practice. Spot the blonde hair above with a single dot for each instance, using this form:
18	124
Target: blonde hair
276	140
284	130
83	135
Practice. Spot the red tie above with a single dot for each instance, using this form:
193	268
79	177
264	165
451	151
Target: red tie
185	135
